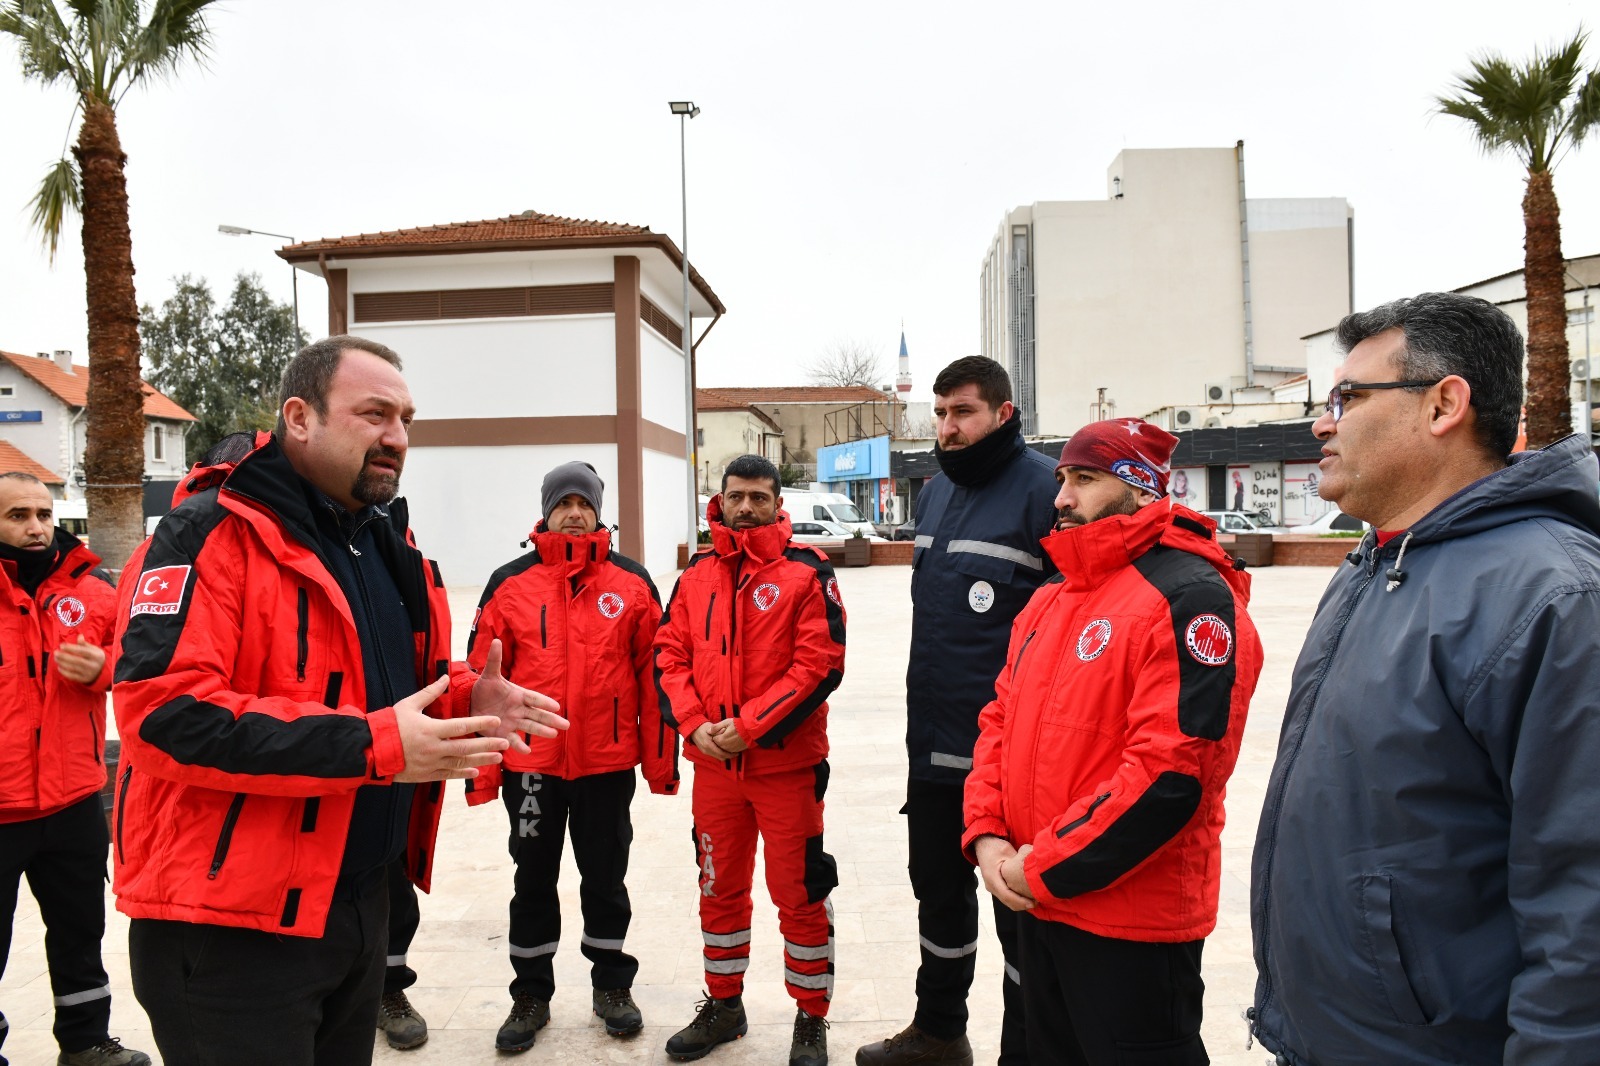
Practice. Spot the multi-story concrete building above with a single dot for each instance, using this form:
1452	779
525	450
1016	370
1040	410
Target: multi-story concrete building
1174	290
529	341
44	405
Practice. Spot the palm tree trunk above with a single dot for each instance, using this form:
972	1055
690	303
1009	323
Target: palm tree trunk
114	452
1549	376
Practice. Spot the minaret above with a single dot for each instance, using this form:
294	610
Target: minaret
902	381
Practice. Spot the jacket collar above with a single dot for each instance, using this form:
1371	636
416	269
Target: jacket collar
762	544
72	558
571	556
1088	556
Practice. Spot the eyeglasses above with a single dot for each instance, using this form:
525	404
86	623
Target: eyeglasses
1335	404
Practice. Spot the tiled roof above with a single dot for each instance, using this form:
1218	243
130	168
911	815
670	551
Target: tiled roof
528	226
709	400
73	389
527	230
14	459
841	394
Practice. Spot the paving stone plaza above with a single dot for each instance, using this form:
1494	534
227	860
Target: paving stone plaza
460	952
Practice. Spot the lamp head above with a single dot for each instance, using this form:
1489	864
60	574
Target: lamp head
684	107
234	231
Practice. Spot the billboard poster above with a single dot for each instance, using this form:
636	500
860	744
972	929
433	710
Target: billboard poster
1301	504
1188	486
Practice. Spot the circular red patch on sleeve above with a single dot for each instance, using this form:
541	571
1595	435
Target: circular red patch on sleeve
1209	639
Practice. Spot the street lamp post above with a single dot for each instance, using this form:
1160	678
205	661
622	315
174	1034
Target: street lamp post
294	275
1588	358
686	110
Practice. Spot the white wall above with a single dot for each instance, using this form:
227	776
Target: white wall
480	270
661	380
666	518
507	367
45	441
471	507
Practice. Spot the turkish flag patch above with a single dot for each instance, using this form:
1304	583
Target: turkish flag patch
1210	640
160	591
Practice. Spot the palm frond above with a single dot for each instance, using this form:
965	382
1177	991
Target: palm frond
1586	109
1527	110
44	42
59	195
176	32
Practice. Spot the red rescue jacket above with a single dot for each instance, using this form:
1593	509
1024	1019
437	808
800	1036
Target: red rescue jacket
241	704
1116	723
754	631
52	730
575	621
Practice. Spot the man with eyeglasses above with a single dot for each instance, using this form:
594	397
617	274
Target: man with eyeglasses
1423	886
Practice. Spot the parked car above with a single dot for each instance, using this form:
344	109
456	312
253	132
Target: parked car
816	531
905	531
828	507
1334	521
1242	522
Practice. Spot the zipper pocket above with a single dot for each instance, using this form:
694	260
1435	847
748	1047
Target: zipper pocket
226	836
302	636
1022	652
122	807
616	713
542	609
709	608
1076	822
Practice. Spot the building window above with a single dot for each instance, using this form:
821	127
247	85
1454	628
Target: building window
159	451
8	390
1579	316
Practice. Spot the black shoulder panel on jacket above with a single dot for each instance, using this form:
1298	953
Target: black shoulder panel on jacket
1205	636
197	733
104	575
624	563
520	564
1152	820
150	640
830	587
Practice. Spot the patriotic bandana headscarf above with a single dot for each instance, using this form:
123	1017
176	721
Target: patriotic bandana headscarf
1127	448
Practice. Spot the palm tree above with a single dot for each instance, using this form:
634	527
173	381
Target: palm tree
102	49
1538	113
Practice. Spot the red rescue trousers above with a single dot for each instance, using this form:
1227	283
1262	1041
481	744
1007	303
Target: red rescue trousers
785	808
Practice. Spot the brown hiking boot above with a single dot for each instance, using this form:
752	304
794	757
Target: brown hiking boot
912	1045
400	1022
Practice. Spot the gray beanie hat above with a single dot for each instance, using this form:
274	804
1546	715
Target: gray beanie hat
572	479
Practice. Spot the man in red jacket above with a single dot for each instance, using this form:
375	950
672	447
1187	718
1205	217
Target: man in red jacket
57	614
750	648
576	620
1094	806
286	705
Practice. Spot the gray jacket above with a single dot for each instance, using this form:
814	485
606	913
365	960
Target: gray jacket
1426	880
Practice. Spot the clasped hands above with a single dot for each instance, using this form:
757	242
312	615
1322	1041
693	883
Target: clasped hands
440	749
1001	866
719	740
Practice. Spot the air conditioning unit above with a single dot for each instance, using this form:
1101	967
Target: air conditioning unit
1218	392
1580	370
895	513
1187	417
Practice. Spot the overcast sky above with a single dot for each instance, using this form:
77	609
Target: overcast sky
850	166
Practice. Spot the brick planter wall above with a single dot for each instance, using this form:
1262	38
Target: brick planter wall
1296	550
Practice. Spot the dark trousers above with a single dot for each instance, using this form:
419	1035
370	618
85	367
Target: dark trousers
1095	1001
64	858
946	887
220	996
404	917
542	808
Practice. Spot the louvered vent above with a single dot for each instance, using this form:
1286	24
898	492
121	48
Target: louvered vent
483	303
657	320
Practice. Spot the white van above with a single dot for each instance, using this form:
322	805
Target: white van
805	506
